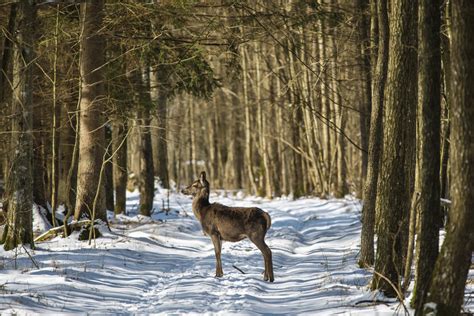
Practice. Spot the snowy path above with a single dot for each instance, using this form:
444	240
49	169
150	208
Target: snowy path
168	266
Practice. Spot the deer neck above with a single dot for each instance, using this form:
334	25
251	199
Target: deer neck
199	204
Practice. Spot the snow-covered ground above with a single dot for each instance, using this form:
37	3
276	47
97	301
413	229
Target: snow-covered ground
166	265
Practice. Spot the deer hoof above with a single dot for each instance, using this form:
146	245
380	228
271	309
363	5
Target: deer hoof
219	275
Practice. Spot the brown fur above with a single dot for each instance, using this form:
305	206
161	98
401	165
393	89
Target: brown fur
233	224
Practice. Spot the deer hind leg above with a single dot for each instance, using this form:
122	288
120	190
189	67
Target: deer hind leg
216	240
259	241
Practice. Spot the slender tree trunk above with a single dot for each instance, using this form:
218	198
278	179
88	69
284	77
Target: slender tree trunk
248	132
393	194
5	79
145	177
365	70
238	157
7	53
325	108
429	105
19	201
39	163
445	58
146	182
446	291
120	173
65	157
375	139
160	143
91	127
108	173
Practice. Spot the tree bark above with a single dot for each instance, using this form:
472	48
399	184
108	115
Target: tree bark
108	173
393	194
375	139
120	174
159	97
146	181
446	291
366	102
91	121
428	162
19	201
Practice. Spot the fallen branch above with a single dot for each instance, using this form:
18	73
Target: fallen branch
373	302
54	230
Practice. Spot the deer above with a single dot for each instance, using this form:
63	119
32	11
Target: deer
225	223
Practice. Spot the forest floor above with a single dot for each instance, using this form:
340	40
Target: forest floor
166	265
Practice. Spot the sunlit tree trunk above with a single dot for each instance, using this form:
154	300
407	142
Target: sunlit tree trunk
446	291
393	193
91	121
375	138
428	129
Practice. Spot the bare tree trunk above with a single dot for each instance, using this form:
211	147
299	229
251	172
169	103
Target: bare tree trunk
108	173
39	163
248	132
5	79
325	109
429	108
65	157
375	139
120	173
365	70
393	194
445	58
446	291
237	151
160	144
146	182
145	176
91	125
19	202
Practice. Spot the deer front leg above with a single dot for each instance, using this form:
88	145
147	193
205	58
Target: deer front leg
216	240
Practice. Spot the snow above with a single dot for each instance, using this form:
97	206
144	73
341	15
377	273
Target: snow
165	265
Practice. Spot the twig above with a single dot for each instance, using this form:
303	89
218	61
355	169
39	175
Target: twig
31	258
240	270
374	302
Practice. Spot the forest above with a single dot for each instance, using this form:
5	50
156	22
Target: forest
108	109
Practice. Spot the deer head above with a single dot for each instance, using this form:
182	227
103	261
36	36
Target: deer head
199	188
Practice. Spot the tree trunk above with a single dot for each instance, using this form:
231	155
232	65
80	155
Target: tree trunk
108	173
375	139
366	102
445	55
5	79
248	132
65	157
91	127
446	291
159	97
429	108
393	194
19	201
39	163
120	174
146	181
145	177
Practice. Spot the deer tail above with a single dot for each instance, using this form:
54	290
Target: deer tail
267	219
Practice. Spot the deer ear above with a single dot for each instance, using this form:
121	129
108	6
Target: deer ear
202	176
